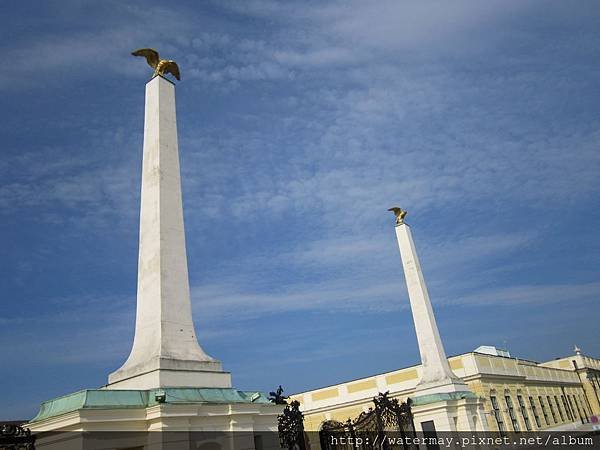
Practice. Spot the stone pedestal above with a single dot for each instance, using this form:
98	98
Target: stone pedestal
450	412
158	419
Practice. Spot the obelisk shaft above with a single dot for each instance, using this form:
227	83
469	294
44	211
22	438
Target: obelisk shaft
436	371
162	266
165	338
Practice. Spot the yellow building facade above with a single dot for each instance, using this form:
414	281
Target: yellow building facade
588	371
518	395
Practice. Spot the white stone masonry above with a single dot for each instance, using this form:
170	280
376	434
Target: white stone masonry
436	377
165	349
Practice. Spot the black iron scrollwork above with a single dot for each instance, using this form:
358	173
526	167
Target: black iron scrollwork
388	417
15	437
393	414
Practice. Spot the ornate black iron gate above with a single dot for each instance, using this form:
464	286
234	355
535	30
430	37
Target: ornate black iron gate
291	427
387	427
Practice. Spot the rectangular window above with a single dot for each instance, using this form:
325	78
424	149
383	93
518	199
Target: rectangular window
562	417
511	413
497	414
575	413
567	409
534	411
580	408
524	413
430	434
551	408
258	442
585	411
544	412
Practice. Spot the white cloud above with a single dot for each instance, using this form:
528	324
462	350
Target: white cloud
104	48
544	294
226	301
72	330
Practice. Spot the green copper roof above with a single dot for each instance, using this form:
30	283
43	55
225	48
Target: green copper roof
121	399
441	397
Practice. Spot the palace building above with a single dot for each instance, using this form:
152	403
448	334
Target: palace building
517	394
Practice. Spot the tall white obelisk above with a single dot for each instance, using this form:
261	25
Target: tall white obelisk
436	375
165	349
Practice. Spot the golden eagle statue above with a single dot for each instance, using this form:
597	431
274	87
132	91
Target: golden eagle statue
160	66
399	213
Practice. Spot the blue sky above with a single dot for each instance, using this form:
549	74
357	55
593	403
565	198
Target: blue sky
300	123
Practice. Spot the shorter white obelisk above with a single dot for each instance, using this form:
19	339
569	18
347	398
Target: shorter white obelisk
436	375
